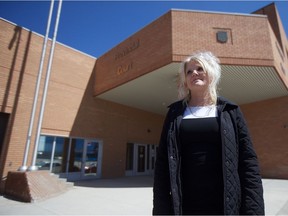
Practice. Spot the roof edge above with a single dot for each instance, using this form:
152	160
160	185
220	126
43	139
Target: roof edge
219	12
40	35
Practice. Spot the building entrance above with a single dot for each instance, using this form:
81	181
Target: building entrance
140	159
71	158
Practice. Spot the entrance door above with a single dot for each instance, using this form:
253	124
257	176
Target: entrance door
140	159
75	162
85	157
71	158
91	160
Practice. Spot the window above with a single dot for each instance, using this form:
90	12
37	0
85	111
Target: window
51	153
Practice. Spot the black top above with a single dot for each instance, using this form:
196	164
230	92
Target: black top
202	181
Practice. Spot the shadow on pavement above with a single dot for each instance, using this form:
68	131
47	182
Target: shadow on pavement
124	182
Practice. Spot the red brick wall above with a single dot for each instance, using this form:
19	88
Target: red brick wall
268	124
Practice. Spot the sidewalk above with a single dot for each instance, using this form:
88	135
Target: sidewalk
276	196
123	196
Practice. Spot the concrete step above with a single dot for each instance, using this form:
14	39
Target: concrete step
62	179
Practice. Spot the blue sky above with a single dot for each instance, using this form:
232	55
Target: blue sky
94	27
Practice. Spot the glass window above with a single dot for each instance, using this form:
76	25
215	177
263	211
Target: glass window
44	152
60	155
76	154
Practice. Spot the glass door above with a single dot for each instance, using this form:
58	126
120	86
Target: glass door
91	159
141	158
75	162
85	159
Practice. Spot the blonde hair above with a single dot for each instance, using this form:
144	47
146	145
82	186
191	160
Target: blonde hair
211	66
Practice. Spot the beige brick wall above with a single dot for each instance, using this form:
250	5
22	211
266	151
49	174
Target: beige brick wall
246	36
18	68
71	109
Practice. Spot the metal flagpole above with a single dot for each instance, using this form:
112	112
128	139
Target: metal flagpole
28	140
33	167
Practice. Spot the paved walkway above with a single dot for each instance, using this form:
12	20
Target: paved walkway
122	196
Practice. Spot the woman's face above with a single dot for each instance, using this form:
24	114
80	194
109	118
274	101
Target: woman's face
196	78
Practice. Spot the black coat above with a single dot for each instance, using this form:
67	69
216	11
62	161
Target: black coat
243	190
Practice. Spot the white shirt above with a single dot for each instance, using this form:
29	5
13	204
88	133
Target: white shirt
200	112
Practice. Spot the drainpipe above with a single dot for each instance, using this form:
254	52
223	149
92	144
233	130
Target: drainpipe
28	140
33	167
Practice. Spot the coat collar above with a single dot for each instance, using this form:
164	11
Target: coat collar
224	103
177	108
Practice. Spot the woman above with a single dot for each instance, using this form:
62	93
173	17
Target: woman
206	164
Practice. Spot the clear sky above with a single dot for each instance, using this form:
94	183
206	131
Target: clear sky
94	27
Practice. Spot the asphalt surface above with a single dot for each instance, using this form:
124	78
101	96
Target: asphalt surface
122	196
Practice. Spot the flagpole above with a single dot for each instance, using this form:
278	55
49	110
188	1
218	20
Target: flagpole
29	134
33	166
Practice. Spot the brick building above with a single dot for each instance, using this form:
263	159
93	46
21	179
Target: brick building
103	117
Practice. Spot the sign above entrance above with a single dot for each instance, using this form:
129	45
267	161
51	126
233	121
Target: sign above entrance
124	68
130	48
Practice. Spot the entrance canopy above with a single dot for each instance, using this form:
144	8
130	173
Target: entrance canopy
141	71
154	91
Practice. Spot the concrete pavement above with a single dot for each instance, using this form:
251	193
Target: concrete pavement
122	196
276	196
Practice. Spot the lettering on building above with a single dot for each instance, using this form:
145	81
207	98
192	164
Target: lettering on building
124	68
133	46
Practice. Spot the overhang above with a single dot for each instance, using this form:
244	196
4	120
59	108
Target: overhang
154	91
